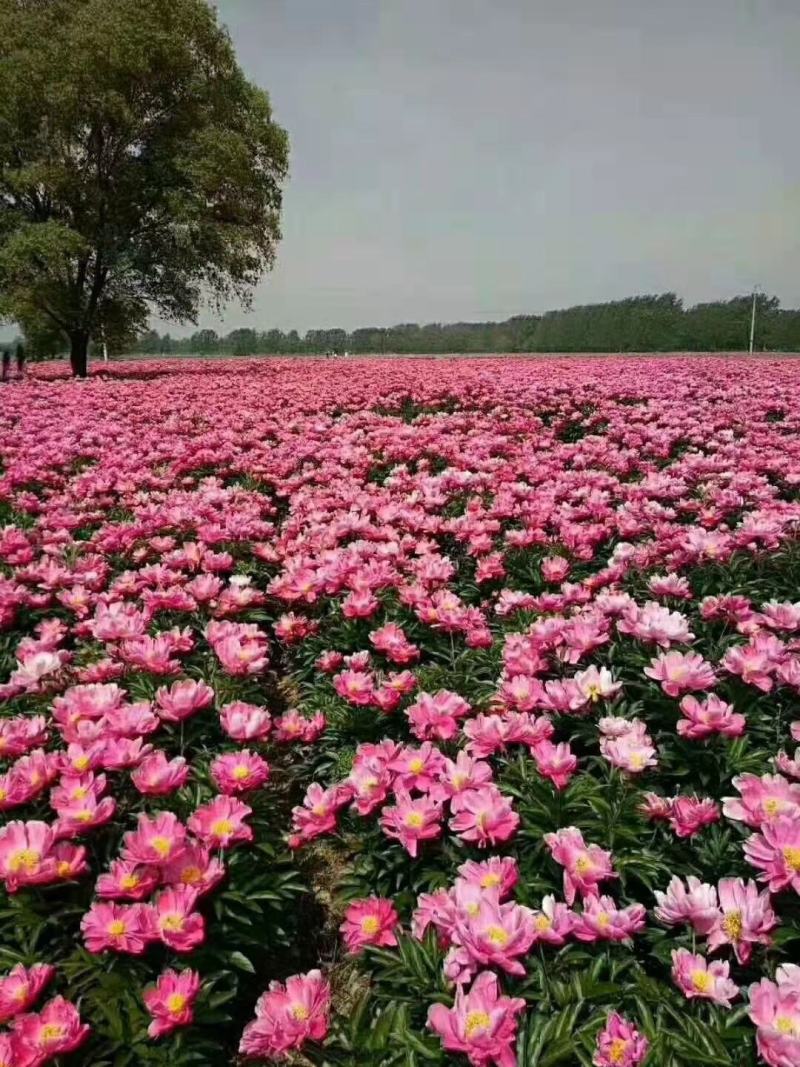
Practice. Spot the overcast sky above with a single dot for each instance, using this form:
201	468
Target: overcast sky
475	159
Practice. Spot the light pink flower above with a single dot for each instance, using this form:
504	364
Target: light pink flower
696	904
775	852
746	918
696	977
681	672
158	776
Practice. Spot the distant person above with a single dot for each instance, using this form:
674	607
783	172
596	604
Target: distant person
21	354
6	363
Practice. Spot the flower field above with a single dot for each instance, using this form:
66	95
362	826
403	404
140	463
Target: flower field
401	713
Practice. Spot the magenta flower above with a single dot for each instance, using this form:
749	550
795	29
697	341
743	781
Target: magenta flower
239	772
585	866
369	922
171	1001
483	816
56	1030
410	821
288	1016
21	988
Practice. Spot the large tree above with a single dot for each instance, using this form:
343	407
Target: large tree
139	169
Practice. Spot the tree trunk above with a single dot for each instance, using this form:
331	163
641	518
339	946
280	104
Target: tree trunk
79	354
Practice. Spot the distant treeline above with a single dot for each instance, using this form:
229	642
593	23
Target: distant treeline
637	324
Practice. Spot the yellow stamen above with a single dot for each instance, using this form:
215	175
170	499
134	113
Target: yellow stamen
370	925
702	981
732	924
27	860
176	1002
617	1050
497	935
51	1032
476	1020
161	845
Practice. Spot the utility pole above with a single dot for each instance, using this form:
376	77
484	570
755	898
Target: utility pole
753	318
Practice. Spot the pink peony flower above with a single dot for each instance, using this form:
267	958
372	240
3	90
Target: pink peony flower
490	934
696	905
714	716
558	762
411	821
436	717
220	823
482	1024
746	918
158	776
619	1044
763	799
55	1031
194	867
553	923
775	1010
775	852
483	816
180	927
288	1016
171	1001
118	928
681	672
688	815
22	987
245	722
239	772
127	881
369	922
498	872
183	699
585	866
602	920
695	977
156	840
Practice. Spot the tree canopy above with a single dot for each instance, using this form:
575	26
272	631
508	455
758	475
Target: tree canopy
140	171
638	324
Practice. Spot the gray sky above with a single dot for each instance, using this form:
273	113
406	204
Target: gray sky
475	159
